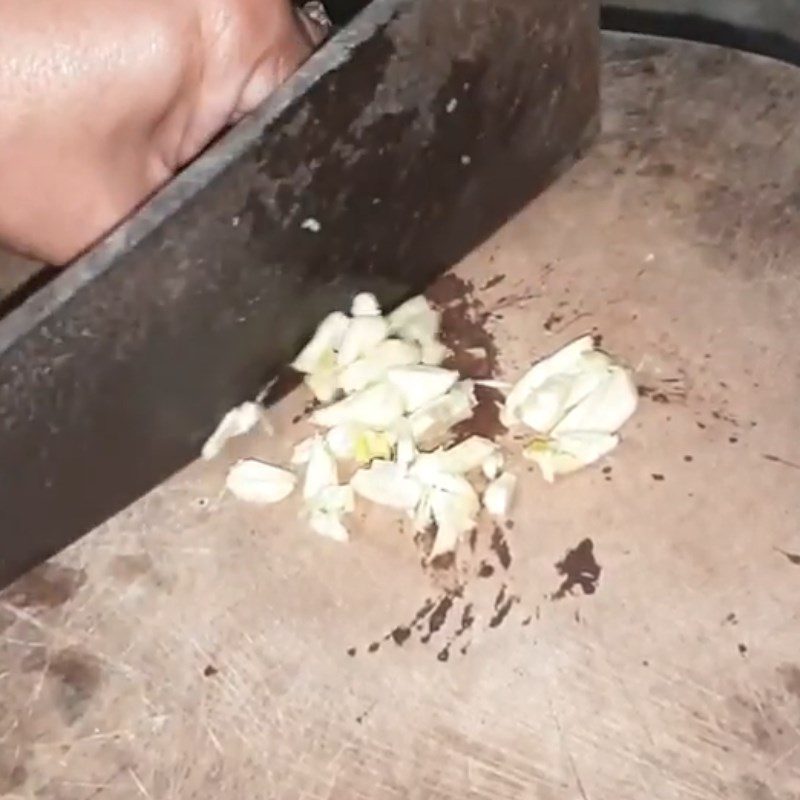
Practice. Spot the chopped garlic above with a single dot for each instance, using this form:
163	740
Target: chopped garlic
321	471
421	384
387	484
362	334
236	422
326	340
379	406
457	460
372	366
255	481
576	390
499	494
569	452
365	305
435	419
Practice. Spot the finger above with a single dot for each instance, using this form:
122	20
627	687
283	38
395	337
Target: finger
279	62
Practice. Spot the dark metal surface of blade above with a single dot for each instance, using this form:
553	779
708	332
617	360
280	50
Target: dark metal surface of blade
405	142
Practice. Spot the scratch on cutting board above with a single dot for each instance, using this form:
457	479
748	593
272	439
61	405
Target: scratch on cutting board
139	785
570	758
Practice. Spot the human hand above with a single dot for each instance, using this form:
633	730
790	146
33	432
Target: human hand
102	101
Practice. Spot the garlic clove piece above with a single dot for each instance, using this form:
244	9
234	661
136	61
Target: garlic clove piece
492	465
421	384
415	320
387	484
255	481
499	495
459	459
321	471
365	304
569	452
236	422
362	334
561	361
379	406
606	409
372	366
327	338
435	419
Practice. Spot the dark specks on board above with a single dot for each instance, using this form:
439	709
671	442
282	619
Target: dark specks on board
792	558
492	282
782	461
579	568
473	351
438	617
400	635
500	547
485	570
502	606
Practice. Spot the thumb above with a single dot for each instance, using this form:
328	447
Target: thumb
280	61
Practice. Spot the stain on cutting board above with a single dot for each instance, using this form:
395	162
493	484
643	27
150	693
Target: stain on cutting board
45	587
580	569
